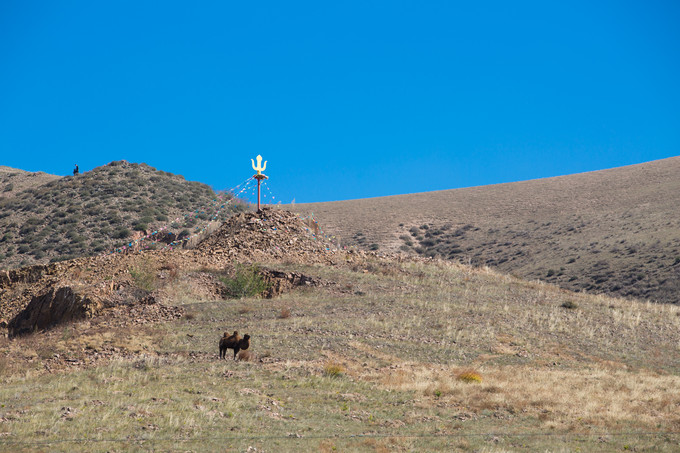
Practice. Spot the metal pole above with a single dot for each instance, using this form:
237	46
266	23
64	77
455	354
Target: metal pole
258	194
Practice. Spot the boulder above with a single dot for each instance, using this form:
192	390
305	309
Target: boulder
53	307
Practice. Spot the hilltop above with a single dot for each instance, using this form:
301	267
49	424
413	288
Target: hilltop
50	218
611	231
13	181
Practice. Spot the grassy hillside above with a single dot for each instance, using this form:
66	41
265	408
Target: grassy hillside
385	356
62	218
612	231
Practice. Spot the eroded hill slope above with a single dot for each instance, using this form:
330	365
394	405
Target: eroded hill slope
614	231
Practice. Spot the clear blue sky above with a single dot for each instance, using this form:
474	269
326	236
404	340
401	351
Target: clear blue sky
343	99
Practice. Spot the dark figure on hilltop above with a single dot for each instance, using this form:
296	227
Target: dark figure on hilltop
75	170
233	342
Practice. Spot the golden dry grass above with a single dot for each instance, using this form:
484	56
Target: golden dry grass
612	231
377	354
596	397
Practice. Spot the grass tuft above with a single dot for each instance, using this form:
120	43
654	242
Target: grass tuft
333	369
469	376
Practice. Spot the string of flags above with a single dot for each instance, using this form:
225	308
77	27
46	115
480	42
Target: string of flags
217	204
322	235
267	192
214	209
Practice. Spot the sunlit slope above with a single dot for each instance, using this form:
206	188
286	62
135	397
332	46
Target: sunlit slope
615	231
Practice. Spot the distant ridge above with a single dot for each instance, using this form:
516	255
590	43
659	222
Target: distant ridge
13	181
613	231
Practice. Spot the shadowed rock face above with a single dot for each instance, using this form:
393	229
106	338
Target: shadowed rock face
52	308
280	282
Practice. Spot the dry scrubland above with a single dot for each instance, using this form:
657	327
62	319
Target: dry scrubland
389	357
613	232
46	218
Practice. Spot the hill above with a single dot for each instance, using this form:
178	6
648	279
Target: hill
13	181
611	231
359	352
51	218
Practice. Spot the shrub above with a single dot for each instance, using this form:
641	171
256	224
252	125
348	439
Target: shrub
246	282
469	376
333	369
57	259
569	305
121	233
144	275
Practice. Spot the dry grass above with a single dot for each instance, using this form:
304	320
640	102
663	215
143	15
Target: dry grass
613	231
333	369
597	397
397	344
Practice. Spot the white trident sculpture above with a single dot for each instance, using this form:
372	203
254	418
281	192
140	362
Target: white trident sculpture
259	169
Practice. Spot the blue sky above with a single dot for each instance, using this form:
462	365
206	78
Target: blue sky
343	99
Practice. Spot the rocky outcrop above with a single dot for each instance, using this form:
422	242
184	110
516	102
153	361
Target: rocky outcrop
30	274
54	307
39	297
279	282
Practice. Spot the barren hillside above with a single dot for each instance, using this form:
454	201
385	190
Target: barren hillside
13	181
613	231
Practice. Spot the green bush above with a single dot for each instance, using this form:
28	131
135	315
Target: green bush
246	282
121	233
144	275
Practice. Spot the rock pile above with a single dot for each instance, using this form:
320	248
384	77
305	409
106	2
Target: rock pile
269	234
